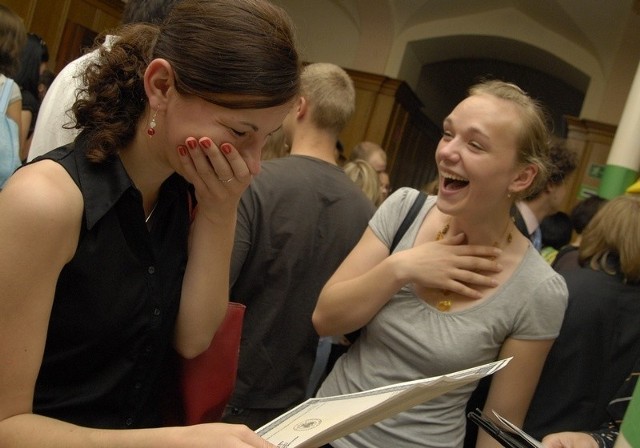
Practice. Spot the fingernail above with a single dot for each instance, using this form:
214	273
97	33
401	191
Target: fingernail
226	148
192	143
182	150
205	143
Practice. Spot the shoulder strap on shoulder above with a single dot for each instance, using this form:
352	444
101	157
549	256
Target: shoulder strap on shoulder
411	215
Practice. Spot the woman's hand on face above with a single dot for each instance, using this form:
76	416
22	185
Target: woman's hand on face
569	440
453	266
221	435
219	174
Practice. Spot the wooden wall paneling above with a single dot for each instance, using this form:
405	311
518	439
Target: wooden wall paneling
76	38
382	109
49	18
24	8
393	139
93	15
416	164
355	129
112	8
367	86
591	141
107	14
413	140
48	21
84	21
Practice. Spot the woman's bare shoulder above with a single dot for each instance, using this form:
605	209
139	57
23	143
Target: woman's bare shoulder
41	203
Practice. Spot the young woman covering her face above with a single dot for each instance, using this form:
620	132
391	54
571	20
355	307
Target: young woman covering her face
102	269
463	287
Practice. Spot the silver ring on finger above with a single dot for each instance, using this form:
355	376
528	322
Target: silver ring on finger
226	181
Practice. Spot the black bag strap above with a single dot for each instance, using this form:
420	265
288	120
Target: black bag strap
404	225
411	215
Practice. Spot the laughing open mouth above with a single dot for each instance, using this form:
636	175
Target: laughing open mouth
452	182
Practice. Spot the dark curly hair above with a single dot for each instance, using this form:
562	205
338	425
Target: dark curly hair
562	162
234	53
584	211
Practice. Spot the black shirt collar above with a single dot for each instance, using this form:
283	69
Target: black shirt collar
103	184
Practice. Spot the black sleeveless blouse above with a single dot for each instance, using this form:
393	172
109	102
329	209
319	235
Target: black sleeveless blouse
108	351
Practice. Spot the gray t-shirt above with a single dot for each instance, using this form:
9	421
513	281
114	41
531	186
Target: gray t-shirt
300	217
409	339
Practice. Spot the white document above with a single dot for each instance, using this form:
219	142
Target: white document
318	421
510	426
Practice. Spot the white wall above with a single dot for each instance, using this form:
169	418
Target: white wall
363	35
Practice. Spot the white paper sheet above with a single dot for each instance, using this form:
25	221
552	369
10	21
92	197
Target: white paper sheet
318	421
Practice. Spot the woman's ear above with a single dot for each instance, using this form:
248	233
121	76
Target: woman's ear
301	107
158	78
524	178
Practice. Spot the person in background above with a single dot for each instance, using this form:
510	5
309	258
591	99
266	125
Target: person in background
13	36
376	156
580	216
372	153
385	186
599	341
365	177
339	153
45	81
105	272
529	212
463	286
331	348
607	435
54	126
296	222
275	147
33	59
556	232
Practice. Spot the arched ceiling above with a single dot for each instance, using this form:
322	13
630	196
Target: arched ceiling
594	27
590	24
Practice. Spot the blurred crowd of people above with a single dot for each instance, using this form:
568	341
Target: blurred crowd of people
104	253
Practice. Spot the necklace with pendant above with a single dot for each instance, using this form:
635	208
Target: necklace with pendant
146	220
446	303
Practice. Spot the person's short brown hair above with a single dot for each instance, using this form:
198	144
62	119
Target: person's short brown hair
611	240
331	95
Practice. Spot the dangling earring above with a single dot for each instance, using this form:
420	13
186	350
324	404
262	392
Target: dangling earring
508	195
151	130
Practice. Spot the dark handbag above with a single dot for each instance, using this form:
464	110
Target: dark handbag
207	381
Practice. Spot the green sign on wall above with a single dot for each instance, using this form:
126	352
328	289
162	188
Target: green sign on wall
596	171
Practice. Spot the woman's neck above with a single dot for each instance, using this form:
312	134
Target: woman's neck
494	232
144	169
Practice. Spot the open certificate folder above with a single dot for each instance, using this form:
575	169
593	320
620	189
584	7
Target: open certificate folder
318	421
